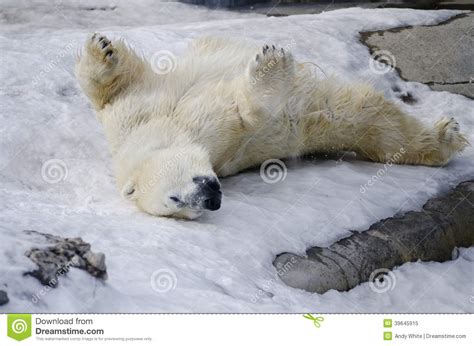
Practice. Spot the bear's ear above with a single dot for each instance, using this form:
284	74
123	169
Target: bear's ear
129	190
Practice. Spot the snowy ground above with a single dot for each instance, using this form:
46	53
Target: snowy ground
223	261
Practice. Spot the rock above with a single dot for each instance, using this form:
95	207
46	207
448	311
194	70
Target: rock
55	261
96	262
437	55
3	298
432	234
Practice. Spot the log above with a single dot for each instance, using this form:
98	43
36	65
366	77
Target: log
432	234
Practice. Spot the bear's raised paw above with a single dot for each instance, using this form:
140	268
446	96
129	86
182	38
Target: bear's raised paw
271	63
101	47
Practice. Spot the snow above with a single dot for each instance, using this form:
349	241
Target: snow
223	261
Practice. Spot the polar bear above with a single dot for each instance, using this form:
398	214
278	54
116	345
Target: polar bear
227	106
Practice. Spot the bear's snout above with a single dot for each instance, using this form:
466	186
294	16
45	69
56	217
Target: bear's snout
214	202
209	192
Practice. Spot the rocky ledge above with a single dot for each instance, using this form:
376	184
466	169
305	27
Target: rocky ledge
56	260
431	234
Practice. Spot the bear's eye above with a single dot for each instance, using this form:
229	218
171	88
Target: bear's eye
175	199
178	203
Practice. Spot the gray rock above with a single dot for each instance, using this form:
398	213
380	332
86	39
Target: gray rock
437	55
96	261
295	7
3	298
432	234
55	261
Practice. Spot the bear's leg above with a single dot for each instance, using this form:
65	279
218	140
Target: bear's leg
361	120
402	139
104	69
267	82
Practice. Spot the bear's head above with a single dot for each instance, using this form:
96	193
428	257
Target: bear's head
175	182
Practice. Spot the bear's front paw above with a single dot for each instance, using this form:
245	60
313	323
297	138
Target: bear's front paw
272	63
270	54
101	47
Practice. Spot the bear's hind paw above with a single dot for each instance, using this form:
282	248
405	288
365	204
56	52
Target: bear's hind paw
448	129
450	135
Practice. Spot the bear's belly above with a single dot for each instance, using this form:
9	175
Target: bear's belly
276	141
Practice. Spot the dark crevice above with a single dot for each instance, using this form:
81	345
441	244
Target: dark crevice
110	8
448	83
366	34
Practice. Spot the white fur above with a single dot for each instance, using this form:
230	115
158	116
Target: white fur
228	106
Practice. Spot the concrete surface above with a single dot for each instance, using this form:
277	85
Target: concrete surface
440	56
278	8
292	7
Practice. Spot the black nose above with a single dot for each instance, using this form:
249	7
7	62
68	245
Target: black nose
209	183
210	190
213	203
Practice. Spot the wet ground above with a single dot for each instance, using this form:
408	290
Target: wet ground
439	56
284	8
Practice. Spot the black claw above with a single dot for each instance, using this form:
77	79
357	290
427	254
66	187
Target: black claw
273	46
109	53
104	44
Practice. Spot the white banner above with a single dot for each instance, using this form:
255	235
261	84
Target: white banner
238	329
